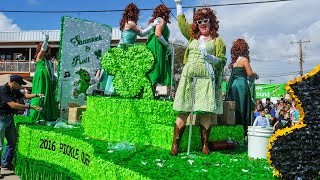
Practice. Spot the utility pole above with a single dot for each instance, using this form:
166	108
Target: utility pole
301	54
270	80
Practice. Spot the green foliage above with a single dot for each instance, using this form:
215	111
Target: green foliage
180	49
129	68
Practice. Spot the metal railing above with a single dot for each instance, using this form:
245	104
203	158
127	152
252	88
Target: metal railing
21	66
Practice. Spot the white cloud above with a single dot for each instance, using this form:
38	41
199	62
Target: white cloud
269	29
7	24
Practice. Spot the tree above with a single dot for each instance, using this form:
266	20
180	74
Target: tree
180	48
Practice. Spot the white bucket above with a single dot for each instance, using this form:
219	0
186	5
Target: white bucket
258	141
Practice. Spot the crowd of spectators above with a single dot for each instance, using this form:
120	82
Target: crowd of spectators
280	114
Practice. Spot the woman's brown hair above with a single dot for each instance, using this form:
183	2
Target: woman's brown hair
38	49
131	13
205	13
161	11
239	48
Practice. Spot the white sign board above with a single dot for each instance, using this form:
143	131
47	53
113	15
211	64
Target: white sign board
82	46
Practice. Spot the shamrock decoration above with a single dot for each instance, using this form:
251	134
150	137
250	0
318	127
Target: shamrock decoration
129	68
294	152
66	74
98	53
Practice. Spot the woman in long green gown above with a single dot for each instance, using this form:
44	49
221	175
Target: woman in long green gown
238	89
44	82
158	44
205	58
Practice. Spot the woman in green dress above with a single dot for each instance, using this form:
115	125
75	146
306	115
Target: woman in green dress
238	89
205	59
158	44
44	83
129	31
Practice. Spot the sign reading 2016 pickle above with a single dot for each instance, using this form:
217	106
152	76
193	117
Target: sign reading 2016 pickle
66	150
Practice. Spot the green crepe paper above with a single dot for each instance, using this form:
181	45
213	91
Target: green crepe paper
141	121
142	162
132	120
33	169
129	68
28	147
22	119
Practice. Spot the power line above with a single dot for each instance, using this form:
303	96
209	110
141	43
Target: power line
274	57
271	60
142	9
170	12
261	77
281	73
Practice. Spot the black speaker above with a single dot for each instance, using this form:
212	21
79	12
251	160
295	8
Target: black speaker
98	92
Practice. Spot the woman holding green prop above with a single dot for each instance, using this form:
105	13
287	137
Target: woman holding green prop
238	89
44	82
205	59
129	32
158	44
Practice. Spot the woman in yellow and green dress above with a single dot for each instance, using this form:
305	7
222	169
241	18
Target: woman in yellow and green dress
205	58
44	82
238	89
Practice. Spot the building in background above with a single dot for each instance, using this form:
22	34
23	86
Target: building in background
18	48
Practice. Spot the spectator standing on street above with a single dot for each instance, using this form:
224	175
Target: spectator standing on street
262	120
9	93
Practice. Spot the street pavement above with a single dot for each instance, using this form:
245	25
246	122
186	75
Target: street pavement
9	175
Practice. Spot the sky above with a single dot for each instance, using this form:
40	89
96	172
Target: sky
269	28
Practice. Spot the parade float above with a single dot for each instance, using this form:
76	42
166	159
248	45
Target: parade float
129	136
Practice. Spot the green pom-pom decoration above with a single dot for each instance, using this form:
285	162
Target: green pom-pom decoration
129	68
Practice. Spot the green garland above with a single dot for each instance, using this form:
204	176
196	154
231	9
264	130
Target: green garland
129	68
137	162
63	149
33	169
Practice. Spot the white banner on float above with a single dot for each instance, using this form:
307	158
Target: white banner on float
82	44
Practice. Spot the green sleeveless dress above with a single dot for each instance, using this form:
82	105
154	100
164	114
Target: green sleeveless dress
161	72
238	91
43	83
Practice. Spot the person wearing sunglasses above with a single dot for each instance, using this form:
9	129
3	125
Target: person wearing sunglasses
9	94
238	89
205	58
44	82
